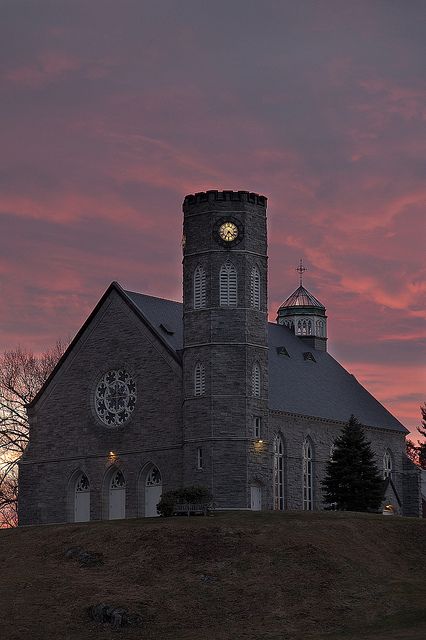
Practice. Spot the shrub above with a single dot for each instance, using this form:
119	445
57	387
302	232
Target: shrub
191	495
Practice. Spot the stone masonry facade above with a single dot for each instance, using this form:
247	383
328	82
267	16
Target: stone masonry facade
170	425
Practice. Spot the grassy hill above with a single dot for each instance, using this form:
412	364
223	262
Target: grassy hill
251	576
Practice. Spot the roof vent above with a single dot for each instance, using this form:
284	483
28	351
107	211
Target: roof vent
282	351
169	332
309	356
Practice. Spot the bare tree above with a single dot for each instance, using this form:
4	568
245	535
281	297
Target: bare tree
412	451
22	374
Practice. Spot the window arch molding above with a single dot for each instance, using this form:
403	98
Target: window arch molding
308	474
228	285
199	287
279	472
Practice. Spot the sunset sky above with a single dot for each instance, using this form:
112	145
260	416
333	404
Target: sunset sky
112	111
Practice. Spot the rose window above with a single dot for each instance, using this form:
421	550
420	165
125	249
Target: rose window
115	397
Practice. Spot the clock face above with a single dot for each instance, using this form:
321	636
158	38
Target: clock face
115	397
228	231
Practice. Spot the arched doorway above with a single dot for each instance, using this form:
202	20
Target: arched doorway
82	499
153	491
117	496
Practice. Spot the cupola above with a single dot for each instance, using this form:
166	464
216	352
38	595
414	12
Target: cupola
304	315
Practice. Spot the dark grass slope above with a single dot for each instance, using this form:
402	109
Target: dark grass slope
257	576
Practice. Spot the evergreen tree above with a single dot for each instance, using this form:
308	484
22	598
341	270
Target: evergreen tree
353	482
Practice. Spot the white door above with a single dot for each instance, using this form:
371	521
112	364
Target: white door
256	498
82	500
153	491
117	497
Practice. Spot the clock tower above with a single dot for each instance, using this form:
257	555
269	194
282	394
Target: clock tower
225	356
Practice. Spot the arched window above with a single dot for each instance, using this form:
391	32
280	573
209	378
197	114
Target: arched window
255	288
318	328
307	476
118	481
278	473
199	380
304	330
199	288
153	478
228	285
387	465
255	381
309	328
299	328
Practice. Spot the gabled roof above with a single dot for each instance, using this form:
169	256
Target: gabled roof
317	387
301	298
297	384
322	388
165	316
153	305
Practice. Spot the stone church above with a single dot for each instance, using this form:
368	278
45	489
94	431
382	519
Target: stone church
153	394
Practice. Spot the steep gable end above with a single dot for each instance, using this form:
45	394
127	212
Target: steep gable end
127	299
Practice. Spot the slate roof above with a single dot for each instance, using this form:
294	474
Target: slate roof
301	298
297	384
164	315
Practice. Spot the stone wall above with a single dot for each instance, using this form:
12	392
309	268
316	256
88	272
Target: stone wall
322	433
66	434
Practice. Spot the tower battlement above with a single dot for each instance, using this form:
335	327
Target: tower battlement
224	196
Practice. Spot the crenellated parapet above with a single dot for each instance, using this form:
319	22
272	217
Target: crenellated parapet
214	195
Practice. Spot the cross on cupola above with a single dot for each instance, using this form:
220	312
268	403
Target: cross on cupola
301	269
304	315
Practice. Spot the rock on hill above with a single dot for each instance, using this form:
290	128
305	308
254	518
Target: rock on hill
253	576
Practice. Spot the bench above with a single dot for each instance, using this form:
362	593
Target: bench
188	508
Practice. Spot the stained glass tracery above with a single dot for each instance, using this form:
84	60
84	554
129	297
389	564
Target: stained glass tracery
115	397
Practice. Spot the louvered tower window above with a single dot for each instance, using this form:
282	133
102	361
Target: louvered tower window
255	381
199	288
255	288
228	285
199	379
308	479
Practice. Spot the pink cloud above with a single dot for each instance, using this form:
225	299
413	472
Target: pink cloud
50	66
